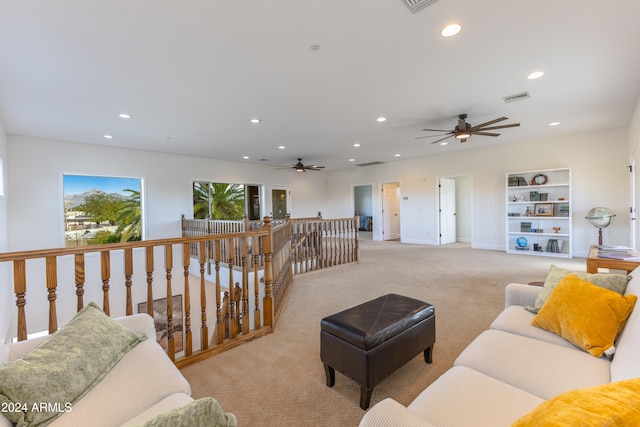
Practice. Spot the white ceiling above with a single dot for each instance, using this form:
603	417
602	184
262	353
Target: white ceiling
192	73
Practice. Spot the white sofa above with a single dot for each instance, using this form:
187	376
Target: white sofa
510	369
143	384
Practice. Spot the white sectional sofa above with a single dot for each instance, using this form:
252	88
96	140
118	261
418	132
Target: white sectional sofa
142	383
509	370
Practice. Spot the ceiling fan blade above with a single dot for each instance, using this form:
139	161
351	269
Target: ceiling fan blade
442	139
436	130
433	136
488	123
513	125
485	133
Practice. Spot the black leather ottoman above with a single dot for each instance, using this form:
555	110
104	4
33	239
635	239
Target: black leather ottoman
370	341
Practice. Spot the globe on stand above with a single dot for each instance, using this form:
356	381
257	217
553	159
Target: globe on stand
600	218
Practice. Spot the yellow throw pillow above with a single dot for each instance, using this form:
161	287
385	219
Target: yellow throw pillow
613	404
584	314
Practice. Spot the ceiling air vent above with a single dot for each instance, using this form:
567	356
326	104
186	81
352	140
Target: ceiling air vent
517	97
416	5
371	163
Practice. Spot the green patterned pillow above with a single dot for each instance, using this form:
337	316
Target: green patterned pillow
205	412
50	378
615	282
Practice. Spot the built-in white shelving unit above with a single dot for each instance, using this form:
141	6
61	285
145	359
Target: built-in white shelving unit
539	212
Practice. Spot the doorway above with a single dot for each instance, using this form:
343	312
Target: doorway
391	211
363	205
279	202
454	210
447	198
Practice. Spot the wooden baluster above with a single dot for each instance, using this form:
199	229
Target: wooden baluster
128	272
149	270
225	312
20	289
245	287
204	329
219	320
79	277
105	263
186	259
52	285
168	265
256	285
268	273
232	311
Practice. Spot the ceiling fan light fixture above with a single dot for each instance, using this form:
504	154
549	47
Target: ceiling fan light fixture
463	135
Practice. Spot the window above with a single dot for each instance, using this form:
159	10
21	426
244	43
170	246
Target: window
218	200
100	209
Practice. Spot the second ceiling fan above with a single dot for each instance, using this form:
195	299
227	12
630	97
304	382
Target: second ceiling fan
464	130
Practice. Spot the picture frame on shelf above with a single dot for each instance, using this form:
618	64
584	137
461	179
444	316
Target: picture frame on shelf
543	209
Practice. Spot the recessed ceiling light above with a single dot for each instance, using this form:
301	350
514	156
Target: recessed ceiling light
352	160
255	121
397	155
245	157
356	145
124	116
109	136
381	119
535	75
554	123
450	30
281	147
444	143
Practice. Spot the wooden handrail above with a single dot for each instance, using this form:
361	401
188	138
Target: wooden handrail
129	272
226	276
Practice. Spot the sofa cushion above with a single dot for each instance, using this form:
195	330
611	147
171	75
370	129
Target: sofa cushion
614	404
537	367
517	321
142	379
466	397
586	315
168	403
615	282
4	353
205	412
625	363
64	367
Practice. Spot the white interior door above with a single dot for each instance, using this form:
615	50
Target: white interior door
390	211
447	187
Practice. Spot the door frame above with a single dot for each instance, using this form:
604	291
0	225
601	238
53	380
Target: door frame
383	217
269	197
462	216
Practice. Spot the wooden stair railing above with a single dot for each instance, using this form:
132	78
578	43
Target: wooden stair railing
135	271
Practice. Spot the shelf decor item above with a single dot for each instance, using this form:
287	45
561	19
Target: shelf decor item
600	218
522	243
543	209
540	179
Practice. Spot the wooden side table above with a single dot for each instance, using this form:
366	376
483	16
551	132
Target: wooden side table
594	263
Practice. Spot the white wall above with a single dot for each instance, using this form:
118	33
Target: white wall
6	292
36	210
600	178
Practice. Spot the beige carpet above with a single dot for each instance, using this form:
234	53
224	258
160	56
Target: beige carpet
279	380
